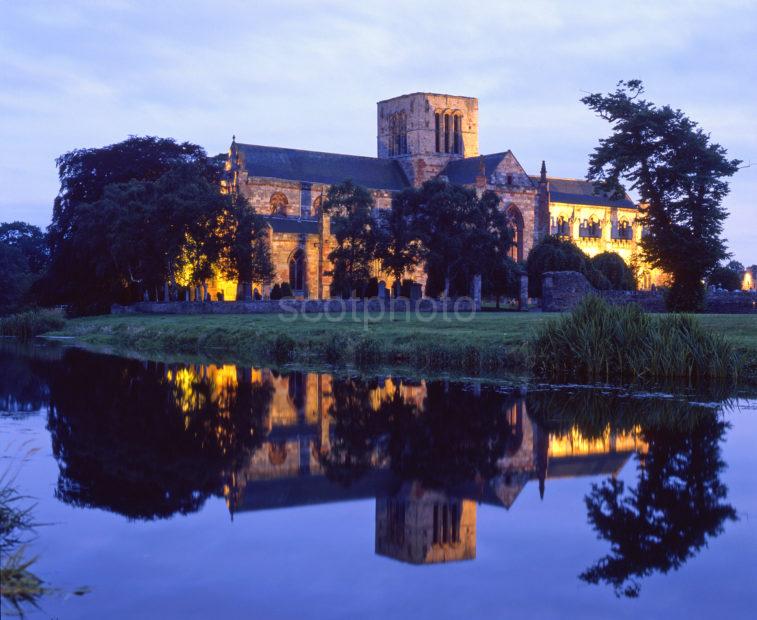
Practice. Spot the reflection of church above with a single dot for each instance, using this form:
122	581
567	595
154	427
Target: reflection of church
414	523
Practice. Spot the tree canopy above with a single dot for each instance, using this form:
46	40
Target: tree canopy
129	217
681	178
355	229
23	260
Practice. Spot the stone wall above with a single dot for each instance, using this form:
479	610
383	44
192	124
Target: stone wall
296	306
563	290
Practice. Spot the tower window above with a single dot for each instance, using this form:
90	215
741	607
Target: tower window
458	140
438	127
447	132
397	134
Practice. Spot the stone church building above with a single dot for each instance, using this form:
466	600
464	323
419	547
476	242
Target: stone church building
419	136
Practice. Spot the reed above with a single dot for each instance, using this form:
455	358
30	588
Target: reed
26	325
601	342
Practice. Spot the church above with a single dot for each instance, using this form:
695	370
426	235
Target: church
420	136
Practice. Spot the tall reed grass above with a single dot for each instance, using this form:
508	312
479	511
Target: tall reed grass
26	325
601	342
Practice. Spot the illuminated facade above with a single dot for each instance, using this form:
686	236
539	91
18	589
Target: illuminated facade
420	136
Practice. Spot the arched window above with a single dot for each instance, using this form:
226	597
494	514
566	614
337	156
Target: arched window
438	127
447	132
625	231
297	271
279	204
563	227
515	224
457	145
397	134
590	228
315	210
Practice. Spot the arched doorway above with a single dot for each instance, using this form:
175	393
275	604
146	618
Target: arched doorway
515	224
297	271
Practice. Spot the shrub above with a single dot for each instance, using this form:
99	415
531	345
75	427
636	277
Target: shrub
26	325
599	342
286	290
276	292
726	278
614	269
371	289
552	254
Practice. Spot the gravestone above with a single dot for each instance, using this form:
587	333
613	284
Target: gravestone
523	296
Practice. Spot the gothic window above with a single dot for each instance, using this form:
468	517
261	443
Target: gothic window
458	139
509	179
563	227
397	134
590	229
438	126
297	271
515	224
315	210
624	230
447	133
279	204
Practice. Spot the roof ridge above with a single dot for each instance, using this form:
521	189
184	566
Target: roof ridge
286	148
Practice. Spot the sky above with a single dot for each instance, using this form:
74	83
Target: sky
307	75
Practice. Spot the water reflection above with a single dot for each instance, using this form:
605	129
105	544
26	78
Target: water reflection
148	440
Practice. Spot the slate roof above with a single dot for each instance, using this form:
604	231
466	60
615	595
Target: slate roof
315	167
293	225
581	192
464	171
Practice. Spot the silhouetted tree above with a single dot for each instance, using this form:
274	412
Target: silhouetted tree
352	224
680	176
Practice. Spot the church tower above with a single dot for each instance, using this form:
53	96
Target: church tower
424	131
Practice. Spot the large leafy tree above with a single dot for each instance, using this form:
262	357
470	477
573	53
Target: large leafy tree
246	253
355	229
126	214
23	260
399	246
461	235
679	174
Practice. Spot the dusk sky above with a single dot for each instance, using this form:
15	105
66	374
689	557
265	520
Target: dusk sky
308	75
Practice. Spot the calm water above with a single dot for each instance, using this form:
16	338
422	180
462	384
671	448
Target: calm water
187	491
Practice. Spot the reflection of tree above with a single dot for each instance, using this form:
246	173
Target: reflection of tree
456	436
132	438
662	522
358	427
459	437
22	390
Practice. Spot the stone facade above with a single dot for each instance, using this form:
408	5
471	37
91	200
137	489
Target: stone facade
419	136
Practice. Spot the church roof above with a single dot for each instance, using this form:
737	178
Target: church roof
293	225
315	167
464	171
582	192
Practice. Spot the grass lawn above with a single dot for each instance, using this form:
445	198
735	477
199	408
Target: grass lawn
490	341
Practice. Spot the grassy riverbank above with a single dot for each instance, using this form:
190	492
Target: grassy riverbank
488	342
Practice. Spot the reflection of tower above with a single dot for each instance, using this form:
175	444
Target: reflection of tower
542	457
420	526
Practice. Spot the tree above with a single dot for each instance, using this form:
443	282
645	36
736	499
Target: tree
552	254
352	224
83	271
246	254
445	214
680	176
736	266
726	278
23	260
614	269
398	244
